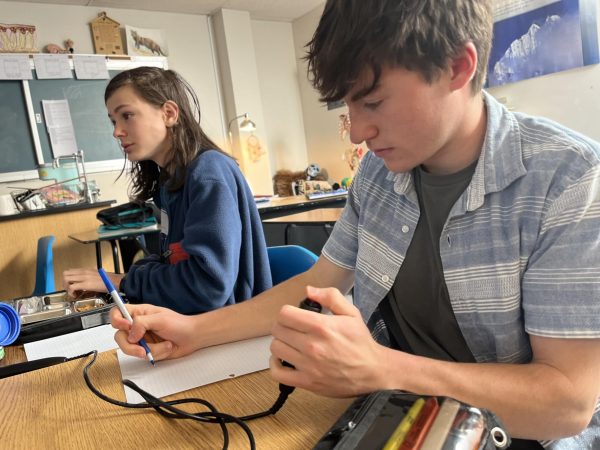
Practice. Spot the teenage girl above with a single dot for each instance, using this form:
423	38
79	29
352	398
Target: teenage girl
212	243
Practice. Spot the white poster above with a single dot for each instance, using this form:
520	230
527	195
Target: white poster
90	67
52	66
60	127
15	67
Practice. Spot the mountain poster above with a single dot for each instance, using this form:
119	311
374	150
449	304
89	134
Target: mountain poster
538	37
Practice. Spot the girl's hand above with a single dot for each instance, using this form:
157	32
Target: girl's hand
87	280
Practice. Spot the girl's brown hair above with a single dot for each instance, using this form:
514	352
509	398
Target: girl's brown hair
156	86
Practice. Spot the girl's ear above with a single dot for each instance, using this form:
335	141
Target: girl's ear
170	111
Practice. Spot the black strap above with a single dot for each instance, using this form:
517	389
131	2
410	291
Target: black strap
28	366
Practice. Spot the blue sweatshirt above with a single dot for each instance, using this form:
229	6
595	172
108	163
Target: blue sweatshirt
212	229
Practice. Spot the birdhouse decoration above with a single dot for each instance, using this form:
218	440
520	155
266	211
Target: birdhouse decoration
106	33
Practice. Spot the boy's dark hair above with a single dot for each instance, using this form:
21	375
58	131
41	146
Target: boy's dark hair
156	86
418	35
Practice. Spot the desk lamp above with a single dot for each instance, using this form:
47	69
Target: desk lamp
245	125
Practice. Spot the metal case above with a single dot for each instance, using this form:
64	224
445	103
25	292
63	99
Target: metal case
54	314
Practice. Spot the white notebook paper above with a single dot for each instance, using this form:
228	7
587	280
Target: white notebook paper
202	367
73	344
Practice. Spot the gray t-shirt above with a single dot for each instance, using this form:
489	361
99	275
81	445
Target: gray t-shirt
417	310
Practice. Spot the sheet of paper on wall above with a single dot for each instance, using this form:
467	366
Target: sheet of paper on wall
202	367
90	67
60	127
52	67
15	67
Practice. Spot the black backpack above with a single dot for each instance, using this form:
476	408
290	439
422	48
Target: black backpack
128	215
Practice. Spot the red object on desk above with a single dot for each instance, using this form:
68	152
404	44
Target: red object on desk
418	431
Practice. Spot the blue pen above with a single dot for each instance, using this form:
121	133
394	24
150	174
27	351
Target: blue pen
119	302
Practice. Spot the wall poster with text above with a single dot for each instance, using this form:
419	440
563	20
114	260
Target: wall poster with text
538	37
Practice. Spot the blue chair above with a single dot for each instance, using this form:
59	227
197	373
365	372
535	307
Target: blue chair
44	271
289	260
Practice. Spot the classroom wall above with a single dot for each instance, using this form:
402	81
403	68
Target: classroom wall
191	54
299	130
189	46
241	93
280	94
324	145
570	97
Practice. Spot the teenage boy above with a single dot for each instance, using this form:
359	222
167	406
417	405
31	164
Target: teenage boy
471	236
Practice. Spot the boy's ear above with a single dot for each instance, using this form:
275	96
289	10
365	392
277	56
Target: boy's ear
170	112
463	67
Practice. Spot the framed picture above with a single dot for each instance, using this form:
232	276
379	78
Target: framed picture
534	38
146	42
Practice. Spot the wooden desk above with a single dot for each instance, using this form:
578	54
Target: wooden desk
14	354
93	237
315	216
53	408
18	240
326	218
281	206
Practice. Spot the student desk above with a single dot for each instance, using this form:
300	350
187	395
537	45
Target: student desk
281	206
325	217
93	237
53	408
312	236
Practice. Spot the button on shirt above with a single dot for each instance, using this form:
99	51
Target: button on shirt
523	260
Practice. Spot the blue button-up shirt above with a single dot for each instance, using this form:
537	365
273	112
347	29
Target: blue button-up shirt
520	249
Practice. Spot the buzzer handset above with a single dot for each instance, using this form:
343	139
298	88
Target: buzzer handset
311	305
308	305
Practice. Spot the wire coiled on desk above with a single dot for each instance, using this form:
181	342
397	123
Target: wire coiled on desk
168	409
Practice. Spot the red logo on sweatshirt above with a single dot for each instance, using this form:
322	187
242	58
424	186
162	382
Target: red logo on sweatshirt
177	253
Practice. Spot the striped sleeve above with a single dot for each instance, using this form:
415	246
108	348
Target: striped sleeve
342	246
561	286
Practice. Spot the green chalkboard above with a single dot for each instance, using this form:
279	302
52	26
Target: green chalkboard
21	121
93	130
16	143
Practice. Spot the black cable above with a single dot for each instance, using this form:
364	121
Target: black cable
168	409
284	392
160	406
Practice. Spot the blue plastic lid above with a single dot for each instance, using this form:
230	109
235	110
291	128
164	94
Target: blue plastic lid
10	324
